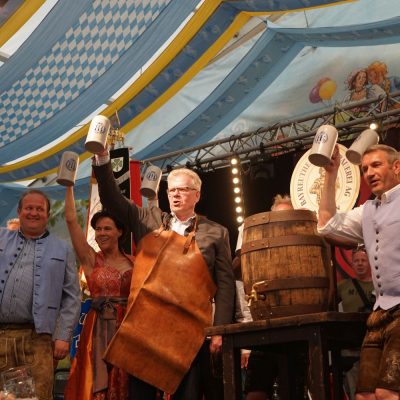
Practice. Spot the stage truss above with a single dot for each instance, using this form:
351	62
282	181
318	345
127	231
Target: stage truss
293	135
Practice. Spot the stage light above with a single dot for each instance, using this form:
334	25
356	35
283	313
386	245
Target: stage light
237	188
373	125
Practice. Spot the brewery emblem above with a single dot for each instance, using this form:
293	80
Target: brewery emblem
152	176
71	164
307	182
117	164
321	137
100	127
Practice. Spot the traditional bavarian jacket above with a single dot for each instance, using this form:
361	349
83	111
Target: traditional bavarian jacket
56	293
377	223
381	227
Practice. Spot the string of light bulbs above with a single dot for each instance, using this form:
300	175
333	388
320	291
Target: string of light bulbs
237	189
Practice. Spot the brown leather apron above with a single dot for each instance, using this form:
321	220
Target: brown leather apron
168	308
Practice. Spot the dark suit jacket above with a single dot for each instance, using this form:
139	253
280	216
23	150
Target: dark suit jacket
212	238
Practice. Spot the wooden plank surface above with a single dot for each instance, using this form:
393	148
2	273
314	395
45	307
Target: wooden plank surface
298	320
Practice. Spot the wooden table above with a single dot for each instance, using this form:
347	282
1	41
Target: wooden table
320	332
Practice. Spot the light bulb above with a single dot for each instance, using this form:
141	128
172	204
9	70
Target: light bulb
373	125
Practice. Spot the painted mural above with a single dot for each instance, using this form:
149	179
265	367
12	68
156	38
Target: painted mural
363	83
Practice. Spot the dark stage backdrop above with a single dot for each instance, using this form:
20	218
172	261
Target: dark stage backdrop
261	182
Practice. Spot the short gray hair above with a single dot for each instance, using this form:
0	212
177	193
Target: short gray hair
392	153
196	181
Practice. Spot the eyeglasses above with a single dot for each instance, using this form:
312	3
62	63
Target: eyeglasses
180	190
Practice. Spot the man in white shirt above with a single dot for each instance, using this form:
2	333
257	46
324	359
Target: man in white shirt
377	224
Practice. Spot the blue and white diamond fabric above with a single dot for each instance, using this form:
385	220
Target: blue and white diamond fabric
83	55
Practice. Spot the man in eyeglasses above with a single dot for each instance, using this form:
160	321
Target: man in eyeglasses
377	224
183	261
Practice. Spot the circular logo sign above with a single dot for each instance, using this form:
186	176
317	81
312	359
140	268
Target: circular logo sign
71	164
307	183
152	176
321	137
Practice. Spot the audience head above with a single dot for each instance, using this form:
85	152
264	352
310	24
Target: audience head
282	203
360	264
13	224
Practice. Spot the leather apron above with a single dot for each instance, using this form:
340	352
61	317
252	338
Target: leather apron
168	308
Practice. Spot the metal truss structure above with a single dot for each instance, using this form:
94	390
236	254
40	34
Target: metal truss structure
294	135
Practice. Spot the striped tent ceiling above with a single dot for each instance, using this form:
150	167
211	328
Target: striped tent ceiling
179	73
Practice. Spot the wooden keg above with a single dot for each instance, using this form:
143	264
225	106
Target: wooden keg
285	264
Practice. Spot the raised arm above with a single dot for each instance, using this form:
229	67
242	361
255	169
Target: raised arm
112	198
85	253
327	206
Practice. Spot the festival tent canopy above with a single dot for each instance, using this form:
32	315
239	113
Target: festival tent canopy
178	73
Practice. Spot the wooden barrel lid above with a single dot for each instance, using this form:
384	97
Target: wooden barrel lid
279	216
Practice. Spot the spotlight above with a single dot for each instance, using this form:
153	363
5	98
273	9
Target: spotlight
235	180
199	168
234	161
239	209
235	171
236	190
262	170
239	219
238	199
373	125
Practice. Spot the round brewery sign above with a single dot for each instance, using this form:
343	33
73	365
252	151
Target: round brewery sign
307	182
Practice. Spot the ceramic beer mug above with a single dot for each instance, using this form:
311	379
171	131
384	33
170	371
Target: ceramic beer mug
96	140
324	143
366	139
68	168
151	182
18	384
